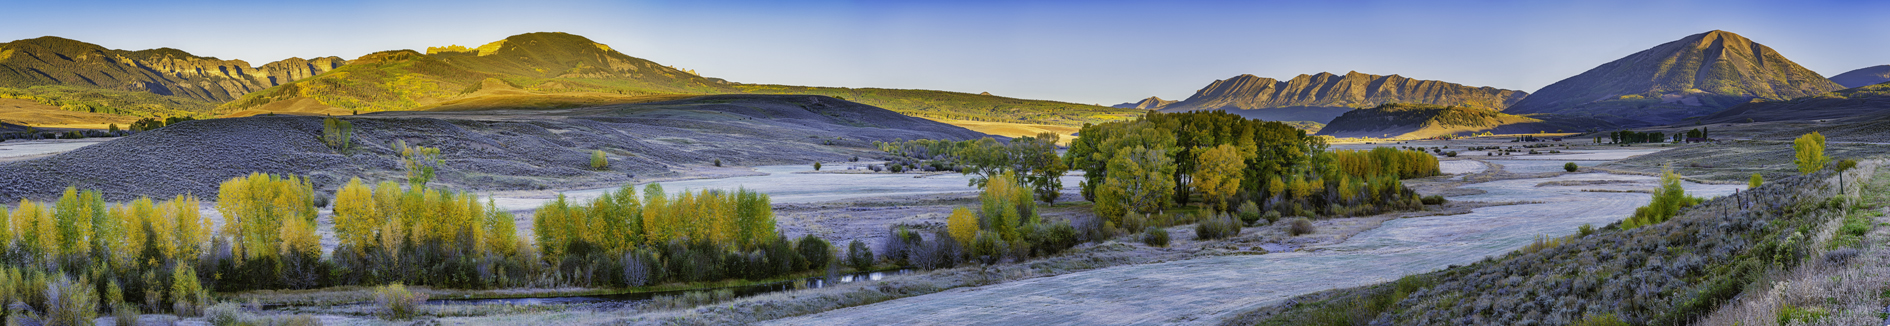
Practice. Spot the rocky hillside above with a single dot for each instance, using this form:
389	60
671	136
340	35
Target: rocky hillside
482	149
1423	121
1698	75
1324	96
165	71
1150	103
1863	76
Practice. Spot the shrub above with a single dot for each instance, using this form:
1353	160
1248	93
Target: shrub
1667	202
397	303
1155	237
336	133
1570	167
1216	228
859	256
817	166
188	298
125	314
1249	213
1451	153
1272	216
898	242
718	162
1600	320
598	162
1845	165
691	299
1433	200
1790	314
638	268
816	251
987	248
1755	181
227	313
1301	226
70	302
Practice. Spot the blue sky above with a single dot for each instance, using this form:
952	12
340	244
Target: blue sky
1103	52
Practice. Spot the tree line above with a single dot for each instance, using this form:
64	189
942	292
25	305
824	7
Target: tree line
1150	164
164	255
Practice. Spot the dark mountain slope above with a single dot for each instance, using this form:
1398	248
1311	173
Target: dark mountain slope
1424	121
1863	76
1854	102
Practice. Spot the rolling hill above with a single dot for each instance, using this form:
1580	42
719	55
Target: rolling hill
483	150
1698	75
1324	96
1410	121
1863	76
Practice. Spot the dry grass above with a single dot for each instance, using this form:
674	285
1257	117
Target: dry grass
1832	286
26	112
1014	129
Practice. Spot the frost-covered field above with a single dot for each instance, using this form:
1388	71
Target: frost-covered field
1201	291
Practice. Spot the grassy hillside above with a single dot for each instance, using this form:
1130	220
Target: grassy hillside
72	106
1423	121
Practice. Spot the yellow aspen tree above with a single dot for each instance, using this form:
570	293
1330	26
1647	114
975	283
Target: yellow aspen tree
190	229
655	205
501	230
73	224
254	207
1810	152
963	225
357	215
472	222
298	237
7	233
387	195
547	227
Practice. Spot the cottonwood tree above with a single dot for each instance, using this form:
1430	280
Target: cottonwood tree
1810	152
1217	174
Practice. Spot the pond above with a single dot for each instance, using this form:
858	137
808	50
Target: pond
796	184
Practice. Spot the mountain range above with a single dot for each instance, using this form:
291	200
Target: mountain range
534	70
1324	96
